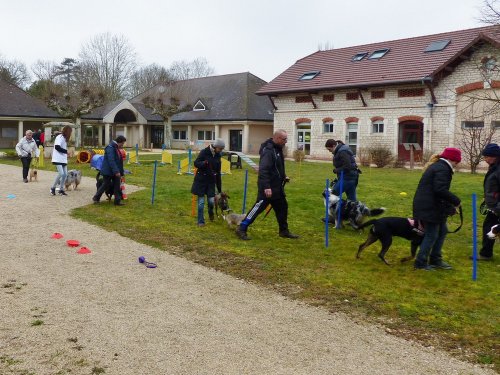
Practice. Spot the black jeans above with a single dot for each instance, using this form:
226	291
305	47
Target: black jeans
280	207
109	181
487	248
26	161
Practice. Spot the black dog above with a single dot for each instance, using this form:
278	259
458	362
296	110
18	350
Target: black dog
353	211
385	228
494	232
109	191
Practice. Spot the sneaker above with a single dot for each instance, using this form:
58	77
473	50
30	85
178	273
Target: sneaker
25	180
52	191
481	257
288	234
201	224
62	192
96	201
425	267
441	265
242	234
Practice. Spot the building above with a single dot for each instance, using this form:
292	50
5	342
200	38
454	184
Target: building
410	91
224	106
20	112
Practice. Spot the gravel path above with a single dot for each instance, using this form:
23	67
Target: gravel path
105	313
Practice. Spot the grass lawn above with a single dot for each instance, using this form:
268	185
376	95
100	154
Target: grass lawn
440	308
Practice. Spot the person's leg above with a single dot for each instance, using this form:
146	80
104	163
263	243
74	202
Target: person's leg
436	257
116	189
201	208
26	167
211	205
487	245
280	207
64	174
350	189
57	179
102	188
430	237
259	206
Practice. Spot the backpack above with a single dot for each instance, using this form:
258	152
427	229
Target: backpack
96	162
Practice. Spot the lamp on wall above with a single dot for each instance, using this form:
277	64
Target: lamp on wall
430	105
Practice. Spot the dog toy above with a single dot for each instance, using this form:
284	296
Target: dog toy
146	263
403	194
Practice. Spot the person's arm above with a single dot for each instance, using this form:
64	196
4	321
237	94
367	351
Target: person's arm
201	161
110	155
440	188
492	192
19	150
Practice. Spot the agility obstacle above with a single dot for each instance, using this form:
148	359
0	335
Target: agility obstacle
154	184
184	165
474	238
327	211
134	155
166	157
341	191
41	161
245	186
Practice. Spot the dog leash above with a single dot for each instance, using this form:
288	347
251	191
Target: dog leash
461	220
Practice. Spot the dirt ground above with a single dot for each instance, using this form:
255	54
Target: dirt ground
105	313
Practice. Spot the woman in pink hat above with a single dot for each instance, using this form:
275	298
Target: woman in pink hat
432	204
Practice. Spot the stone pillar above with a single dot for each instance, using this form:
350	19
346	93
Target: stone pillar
107	139
125	133
217	131
245	139
20	130
99	135
78	133
141	136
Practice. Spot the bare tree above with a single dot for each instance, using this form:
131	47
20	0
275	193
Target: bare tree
490	12
44	70
14	71
107	63
182	70
147	77
166	100
472	141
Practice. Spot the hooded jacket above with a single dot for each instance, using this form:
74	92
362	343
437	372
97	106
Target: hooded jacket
112	162
492	188
433	197
343	160
208	174
271	169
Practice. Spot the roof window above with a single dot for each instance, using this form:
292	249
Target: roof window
437	45
199	106
308	76
359	56
378	54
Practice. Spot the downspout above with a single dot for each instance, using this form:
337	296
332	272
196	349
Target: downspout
362	99
428	82
272	102
312	101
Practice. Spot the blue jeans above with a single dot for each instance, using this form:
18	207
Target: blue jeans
62	173
349	188
201	208
432	243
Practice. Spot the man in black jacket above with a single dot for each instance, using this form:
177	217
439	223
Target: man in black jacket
271	186
491	154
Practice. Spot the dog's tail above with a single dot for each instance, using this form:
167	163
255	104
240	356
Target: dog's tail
367	223
377	211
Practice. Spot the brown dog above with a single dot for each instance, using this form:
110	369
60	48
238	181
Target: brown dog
33	174
221	203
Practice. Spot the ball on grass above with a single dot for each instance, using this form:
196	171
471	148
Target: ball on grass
403	194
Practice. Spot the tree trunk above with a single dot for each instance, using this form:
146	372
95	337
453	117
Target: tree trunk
167	126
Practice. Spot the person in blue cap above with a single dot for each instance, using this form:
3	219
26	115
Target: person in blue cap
491	155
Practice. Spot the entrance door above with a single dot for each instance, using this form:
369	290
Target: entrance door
157	136
236	140
410	132
304	139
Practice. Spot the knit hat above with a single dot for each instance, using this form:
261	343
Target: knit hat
219	143
330	143
491	149
452	154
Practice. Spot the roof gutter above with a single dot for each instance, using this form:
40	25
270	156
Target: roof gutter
428	82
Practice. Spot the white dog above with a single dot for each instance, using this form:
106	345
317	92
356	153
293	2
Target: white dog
233	219
73	179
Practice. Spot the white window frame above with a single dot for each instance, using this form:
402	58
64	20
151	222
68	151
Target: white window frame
180	134
376	127
330	125
472	124
199	104
205	135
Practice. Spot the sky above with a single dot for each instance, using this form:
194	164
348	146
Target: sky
263	37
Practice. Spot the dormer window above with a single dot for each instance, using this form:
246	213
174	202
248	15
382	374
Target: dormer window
308	76
359	56
438	45
199	106
378	54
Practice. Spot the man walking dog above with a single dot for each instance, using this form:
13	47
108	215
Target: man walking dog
271	186
112	170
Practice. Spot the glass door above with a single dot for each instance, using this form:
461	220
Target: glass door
304	139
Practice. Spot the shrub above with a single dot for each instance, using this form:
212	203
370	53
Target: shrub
381	156
363	155
299	155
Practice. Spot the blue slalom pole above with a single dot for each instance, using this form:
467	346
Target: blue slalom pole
136	153
245	192
474	238
154	183
341	191
327	216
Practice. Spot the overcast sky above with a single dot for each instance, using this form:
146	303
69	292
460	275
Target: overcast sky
263	37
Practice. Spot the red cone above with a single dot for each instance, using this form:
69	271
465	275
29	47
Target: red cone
57	235
84	250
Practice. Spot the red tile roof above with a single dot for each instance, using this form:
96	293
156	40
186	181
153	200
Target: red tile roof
406	62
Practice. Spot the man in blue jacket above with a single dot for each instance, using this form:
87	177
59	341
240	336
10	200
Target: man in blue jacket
271	186
112	170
